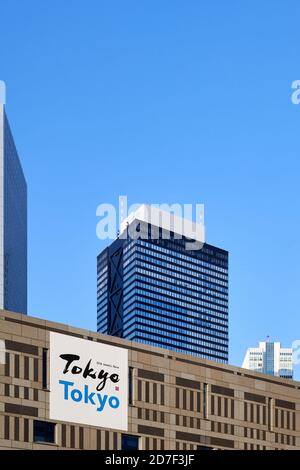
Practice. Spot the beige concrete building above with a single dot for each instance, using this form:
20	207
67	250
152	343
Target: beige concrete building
175	401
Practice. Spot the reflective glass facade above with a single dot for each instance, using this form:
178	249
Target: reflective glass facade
13	225
156	292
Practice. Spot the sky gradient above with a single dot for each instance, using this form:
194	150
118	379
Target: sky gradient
165	102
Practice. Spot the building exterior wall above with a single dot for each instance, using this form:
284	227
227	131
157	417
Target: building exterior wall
13	223
1	205
177	402
15	227
156	292
270	358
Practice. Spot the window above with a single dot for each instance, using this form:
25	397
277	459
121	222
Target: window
130	385
43	432
205	401
44	378
130	442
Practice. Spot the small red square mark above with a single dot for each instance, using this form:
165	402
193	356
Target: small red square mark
117	388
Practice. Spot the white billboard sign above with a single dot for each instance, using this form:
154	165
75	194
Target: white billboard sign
88	382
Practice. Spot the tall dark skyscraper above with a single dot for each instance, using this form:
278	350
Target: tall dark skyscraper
159	292
13	220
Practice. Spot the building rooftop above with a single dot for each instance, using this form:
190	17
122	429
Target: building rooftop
168	221
189	360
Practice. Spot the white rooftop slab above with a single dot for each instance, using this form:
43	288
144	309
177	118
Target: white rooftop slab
167	221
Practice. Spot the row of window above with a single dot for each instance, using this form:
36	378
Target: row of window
192	268
151	392
255	413
182	274
171	269
139	299
102	271
171	283
173	290
102	314
188	400
44	432
101	302
187	421
171	254
285	439
129	278
198	319
252	433
193	283
198	329
221	406
178	298
189	339
209	354
26	367
191	342
285	419
201	350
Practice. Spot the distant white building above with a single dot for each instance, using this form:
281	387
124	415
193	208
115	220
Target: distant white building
270	358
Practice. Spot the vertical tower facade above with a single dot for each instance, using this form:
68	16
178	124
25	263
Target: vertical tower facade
13	222
158	292
270	358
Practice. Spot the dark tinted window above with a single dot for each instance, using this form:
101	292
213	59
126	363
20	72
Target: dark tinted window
43	431
130	442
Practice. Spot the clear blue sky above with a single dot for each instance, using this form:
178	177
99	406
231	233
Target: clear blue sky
165	101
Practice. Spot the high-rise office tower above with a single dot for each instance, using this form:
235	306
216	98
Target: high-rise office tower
270	358
13	220
155	287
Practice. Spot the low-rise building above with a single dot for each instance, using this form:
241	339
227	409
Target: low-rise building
68	388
